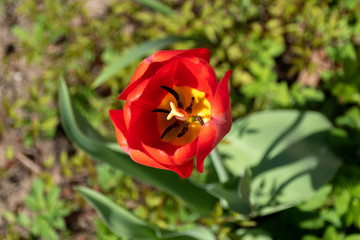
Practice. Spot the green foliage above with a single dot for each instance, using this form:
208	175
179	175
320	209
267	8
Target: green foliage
125	224
48	212
290	155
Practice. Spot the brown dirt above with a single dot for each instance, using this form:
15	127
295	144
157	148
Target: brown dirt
16	175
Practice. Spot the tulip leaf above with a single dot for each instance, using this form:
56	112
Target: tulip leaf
134	54
124	224
288	154
199	199
231	192
120	221
197	233
221	172
157	6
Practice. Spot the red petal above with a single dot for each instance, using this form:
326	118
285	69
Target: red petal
141	69
202	53
150	65
142	127
196	73
184	170
141	158
117	118
207	137
184	153
160	156
221	107
218	126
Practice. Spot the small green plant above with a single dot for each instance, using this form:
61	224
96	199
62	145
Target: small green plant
47	212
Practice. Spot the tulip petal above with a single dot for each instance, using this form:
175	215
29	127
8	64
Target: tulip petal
141	158
158	154
150	65
195	73
218	126
184	153
184	170
202	53
117	118
221	103
162	56
207	138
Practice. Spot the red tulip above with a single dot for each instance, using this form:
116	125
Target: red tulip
175	110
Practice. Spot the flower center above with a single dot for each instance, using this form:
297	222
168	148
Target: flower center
187	110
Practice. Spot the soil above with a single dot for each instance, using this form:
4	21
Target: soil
18	173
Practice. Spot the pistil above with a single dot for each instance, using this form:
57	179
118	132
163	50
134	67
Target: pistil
178	113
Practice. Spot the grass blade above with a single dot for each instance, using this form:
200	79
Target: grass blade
157	6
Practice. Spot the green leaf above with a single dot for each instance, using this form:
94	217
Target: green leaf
317	200
24	220
35	200
52	198
125	224
199	200
231	193
134	54
157	6
287	152
219	167
118	220
42	228
355	236
197	233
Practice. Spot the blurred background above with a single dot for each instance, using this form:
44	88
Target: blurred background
298	54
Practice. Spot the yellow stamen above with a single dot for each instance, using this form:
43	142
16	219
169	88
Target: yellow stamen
178	113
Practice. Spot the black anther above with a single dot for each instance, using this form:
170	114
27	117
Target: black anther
200	120
172	91
161	110
169	128
175	94
183	130
189	108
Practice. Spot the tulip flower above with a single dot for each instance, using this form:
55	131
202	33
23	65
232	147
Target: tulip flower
175	110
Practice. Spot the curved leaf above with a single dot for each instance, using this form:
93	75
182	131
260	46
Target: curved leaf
197	233
120	221
124	224
287	153
194	196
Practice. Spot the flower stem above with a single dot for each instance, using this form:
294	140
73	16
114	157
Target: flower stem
219	167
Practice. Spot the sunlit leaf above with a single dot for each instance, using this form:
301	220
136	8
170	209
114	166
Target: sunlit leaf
197	233
287	152
124	224
118	220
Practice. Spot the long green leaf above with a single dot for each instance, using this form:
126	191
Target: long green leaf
197	233
134	54
124	224
117	219
157	6
288	154
194	196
